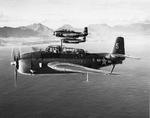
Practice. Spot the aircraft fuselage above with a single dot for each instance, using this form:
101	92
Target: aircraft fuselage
69	34
37	62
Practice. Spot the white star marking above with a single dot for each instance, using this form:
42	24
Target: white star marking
104	61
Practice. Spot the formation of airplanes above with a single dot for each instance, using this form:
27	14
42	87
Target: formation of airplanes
63	60
70	36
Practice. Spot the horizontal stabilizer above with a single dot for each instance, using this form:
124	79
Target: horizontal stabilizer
126	56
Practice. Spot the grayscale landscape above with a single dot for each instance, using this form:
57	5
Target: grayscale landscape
30	25
70	96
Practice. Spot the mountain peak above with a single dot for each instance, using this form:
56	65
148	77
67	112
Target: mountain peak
37	27
40	28
66	26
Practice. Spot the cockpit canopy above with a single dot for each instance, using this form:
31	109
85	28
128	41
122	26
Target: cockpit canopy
66	50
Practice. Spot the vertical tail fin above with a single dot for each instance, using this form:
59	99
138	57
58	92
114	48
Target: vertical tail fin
85	31
84	39
119	46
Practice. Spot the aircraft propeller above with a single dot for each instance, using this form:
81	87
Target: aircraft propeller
16	56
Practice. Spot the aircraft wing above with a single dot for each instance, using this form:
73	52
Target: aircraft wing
70	37
68	67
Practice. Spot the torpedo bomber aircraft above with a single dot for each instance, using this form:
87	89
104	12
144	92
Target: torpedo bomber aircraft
70	36
63	60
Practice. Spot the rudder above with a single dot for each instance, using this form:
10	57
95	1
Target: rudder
119	46
86	31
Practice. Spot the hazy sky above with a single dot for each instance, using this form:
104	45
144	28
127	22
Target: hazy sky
55	13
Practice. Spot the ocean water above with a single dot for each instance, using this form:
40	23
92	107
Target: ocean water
69	96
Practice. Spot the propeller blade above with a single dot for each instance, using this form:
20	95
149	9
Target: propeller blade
13	54
16	56
15	77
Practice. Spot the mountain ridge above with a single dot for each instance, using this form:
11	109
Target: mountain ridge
33	30
40	30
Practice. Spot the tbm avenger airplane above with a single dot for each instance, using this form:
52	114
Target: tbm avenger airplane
70	36
64	60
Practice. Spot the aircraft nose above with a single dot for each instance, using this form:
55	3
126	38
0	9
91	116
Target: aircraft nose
24	66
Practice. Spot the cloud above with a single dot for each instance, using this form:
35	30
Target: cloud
13	21
76	12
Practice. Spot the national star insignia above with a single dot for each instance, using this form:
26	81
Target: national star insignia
104	61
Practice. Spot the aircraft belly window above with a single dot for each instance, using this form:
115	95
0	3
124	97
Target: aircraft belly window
40	65
93	59
98	60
